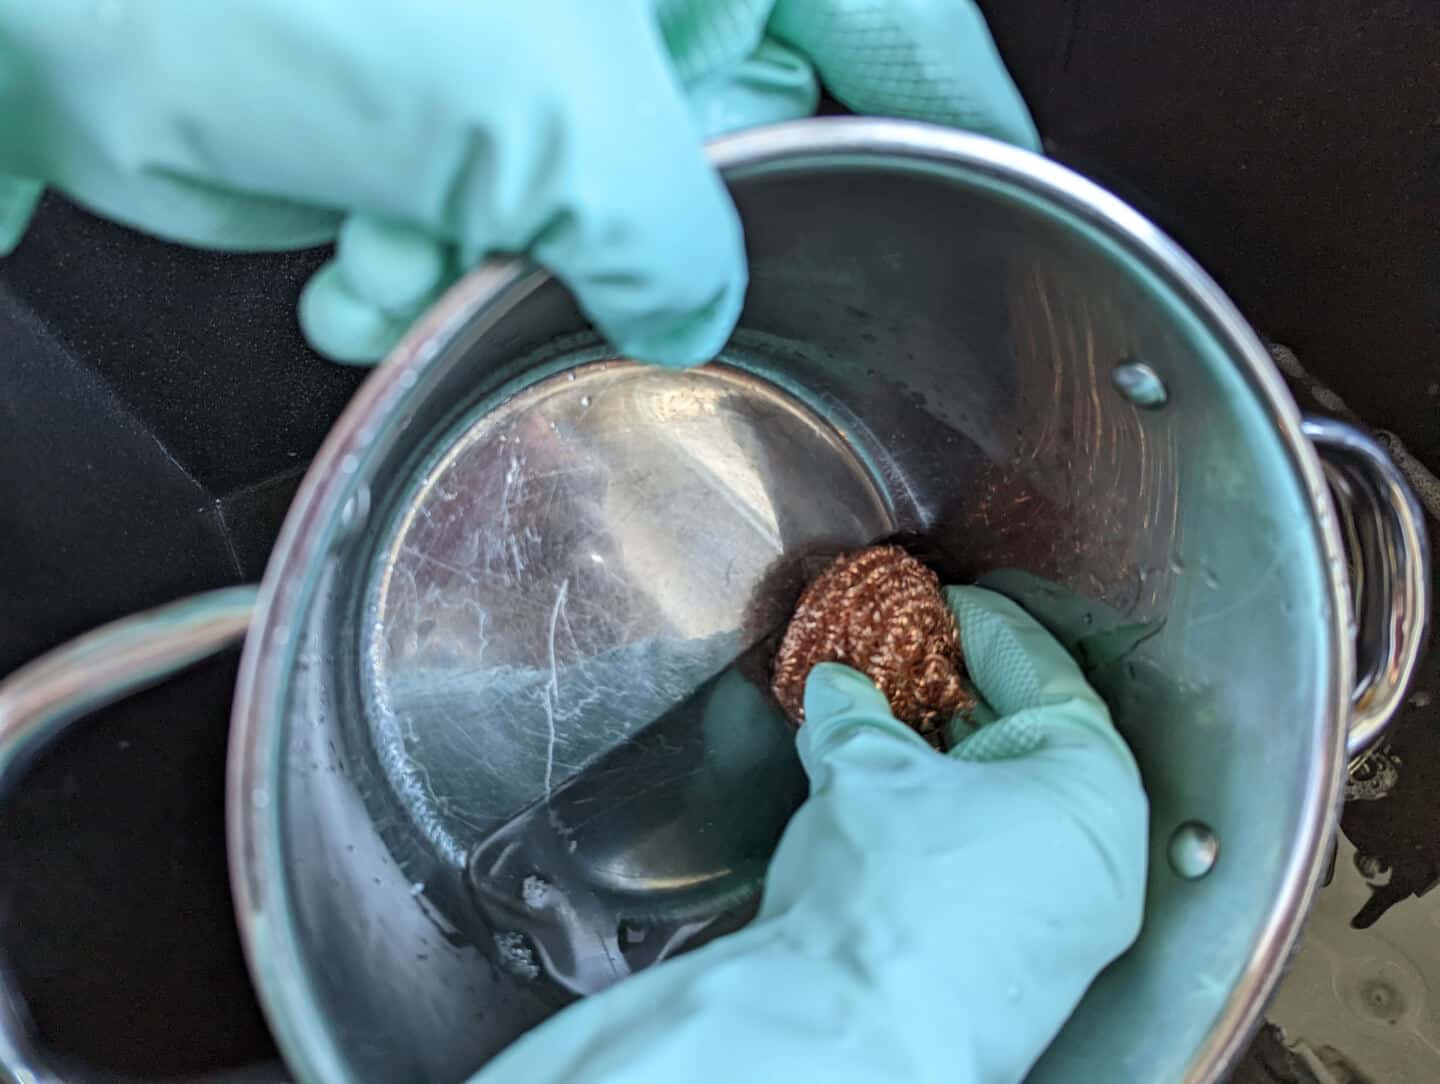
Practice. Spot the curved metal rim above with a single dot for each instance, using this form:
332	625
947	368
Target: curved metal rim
1373	708
493	289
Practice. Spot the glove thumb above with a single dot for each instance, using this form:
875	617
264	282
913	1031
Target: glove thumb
842	704
774	84
383	275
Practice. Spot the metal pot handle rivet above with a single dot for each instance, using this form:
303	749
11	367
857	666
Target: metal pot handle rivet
1383	529
1193	851
1140	384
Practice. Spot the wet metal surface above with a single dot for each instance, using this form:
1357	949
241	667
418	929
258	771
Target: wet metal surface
571	568
578	562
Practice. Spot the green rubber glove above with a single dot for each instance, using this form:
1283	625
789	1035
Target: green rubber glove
424	136
926	917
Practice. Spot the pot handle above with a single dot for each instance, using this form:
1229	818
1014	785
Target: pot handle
39	702
1383	529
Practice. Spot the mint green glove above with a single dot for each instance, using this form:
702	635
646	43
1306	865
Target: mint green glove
926	917
424	136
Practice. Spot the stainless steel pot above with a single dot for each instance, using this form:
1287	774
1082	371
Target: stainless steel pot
513	553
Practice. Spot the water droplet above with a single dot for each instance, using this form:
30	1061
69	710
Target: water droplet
570	377
1212	581
584	400
1383	999
260	797
1177	566
1139	383
535	892
356	510
1194	849
417	888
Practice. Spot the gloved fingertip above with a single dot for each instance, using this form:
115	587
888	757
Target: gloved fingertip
680	340
775	84
391	265
1013	660
651	246
1009	121
845	714
340	325
18	198
833	690
972	603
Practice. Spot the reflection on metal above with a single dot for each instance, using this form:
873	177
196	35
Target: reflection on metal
660	841
1087	495
1366	995
355	511
1389	559
1194	849
1423	482
42	699
1372	776
1139	383
573	566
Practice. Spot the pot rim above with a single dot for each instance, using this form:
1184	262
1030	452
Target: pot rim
484	295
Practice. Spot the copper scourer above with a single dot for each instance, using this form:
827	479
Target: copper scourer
880	611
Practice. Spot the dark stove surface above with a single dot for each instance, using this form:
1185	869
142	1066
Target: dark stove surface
135	468
158	407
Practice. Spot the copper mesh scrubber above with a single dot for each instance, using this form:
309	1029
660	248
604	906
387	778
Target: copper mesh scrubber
880	611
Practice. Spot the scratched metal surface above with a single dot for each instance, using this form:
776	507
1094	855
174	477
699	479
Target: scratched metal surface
577	562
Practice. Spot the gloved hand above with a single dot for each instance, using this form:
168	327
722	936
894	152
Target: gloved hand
431	133
927	916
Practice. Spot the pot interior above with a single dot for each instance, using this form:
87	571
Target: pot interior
510	676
